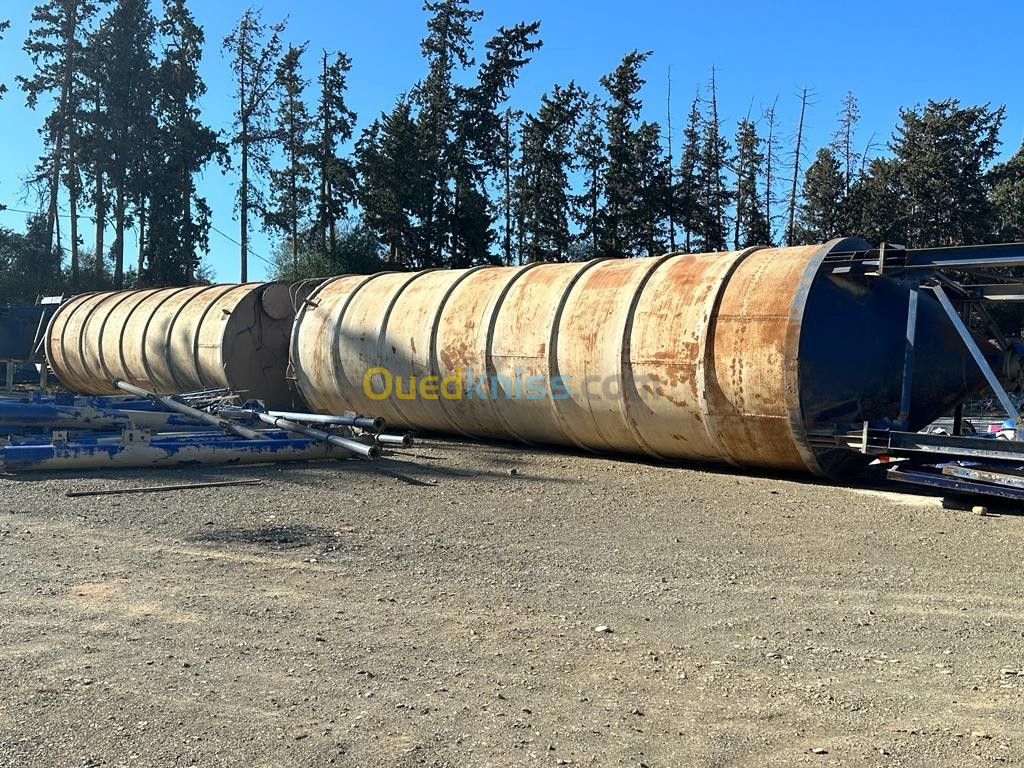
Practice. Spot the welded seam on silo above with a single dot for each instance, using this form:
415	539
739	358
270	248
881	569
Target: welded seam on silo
706	350
792	369
554	371
435	363
382	343
489	366
83	336
169	335
198	332
109	375
63	312
336	366
169	294
308	304
628	384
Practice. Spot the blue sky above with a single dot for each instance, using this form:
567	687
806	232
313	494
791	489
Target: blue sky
889	54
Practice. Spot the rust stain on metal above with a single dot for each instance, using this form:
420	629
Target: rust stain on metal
688	356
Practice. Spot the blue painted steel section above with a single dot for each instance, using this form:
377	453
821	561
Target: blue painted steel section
18	328
20	458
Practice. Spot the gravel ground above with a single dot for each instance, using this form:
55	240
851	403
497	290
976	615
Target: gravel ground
441	610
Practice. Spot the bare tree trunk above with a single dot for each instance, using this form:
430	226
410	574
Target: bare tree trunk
671	170
769	164
507	202
51	208
142	240
57	241
100	203
325	149
187	229
294	228
796	168
119	217
243	209
73	203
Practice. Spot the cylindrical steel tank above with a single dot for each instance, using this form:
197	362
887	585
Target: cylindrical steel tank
745	357
174	340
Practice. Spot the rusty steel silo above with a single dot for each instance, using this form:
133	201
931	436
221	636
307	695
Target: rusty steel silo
752	358
173	340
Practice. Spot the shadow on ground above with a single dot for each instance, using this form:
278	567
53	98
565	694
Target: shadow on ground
272	536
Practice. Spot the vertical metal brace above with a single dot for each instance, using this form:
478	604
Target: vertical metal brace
965	335
908	361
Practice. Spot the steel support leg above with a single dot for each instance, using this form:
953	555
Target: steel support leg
979	358
908	361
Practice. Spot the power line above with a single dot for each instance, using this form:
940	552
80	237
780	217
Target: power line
250	251
226	236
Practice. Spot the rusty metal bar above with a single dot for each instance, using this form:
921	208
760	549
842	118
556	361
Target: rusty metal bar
160	488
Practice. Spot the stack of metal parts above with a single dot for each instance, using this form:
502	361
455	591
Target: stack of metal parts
144	429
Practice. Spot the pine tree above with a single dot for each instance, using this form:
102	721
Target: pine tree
712	196
291	190
458	135
56	46
179	220
446	49
29	266
396	193
542	188
335	173
95	157
255	50
750	226
123	50
843	140
943	152
591	162
1007	182
646	221
771	155
478	139
621	179
506	202
685	193
821	209
798	156
876	209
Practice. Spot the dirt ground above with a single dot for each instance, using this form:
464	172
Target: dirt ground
440	610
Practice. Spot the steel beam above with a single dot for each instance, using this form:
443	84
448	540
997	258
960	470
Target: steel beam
908	361
979	358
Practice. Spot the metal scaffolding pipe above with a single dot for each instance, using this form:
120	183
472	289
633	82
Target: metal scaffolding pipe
353	446
405	440
363	422
194	413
